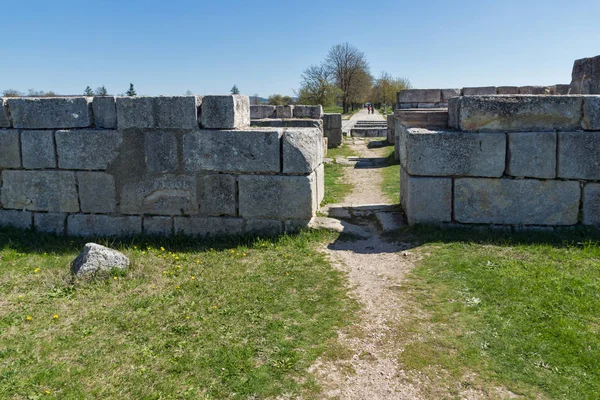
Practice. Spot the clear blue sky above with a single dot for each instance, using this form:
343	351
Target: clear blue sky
168	47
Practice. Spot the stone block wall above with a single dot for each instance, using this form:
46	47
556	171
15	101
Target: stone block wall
514	160
157	165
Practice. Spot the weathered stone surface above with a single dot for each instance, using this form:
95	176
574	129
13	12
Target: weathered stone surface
335	225
287	123
161	151
208	226
419	96
520	113
534	90
585	78
320	176
591	113
391	128
479	91
453	112
591	204
40	191
516	201
158	226
87	149
284	112
264	227
296	225
302	150
50	112
160	195
10	156
293	197
158	112
225	112
5	121
561	89
50	222
447	94
16	219
448	153
217	194
96	192
425	200
98	259
262	111
532	154
578	155
103	225
232	151
38	149
433	118
428	105
332	121
507	90
313	112
334	137
105	112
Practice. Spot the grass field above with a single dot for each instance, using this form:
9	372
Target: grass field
335	187
339	110
391	177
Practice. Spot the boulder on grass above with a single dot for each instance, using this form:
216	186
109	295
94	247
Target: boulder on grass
97	259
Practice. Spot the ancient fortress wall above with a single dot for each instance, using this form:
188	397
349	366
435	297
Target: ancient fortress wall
156	165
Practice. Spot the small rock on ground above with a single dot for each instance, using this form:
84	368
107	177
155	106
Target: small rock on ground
96	258
336	225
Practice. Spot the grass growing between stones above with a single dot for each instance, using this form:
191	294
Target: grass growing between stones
522	312
391	177
190	320
335	187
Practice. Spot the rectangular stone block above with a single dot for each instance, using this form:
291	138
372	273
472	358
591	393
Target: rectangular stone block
320	176
287	123
217	194
449	153
160	195
453	113
289	197
532	154
50	112
225	112
427	105
332	121
419	96
103	225
313	112
535	90
15	219
96	192
87	149
284	112
40	191
585	78
50	222
38	149
295	225
10	156
262	111
391	128
479	91
264	227
334	137
507	90
447	94
158	226
426	200
516	201
561	89
591	204
5	121
591	113
578	155
520	113
302	150
208	226
105	112
232	151
158	112
161	152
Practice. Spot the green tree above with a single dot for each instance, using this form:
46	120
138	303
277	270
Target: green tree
88	92
131	92
101	91
386	87
235	90
12	93
317	87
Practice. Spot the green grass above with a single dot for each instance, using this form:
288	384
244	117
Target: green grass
335	187
341	151
390	184
340	110
198	320
523	312
389	109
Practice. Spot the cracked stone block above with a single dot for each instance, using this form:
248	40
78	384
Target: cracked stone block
89	149
50	112
40	191
160	195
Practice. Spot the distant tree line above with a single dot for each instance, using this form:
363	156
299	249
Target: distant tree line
99	91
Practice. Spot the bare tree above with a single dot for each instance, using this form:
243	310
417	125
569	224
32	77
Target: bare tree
345	63
317	86
12	93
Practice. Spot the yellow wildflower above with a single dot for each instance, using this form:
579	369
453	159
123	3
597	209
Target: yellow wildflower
36	270
187	317
162	248
115	278
29	318
55	316
193	278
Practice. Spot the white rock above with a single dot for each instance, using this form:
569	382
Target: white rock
96	258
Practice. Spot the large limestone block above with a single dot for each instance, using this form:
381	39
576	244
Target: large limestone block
334	137
217	194
287	123
561	89
312	112
534	90
419	96
10	156
5	121
585	78
232	151
391	128
38	149
332	121
40	191
179	112
591	204
520	113
158	226
50	112
591	113
320	176
284	111
262	111
516	201
96	259
50	222
447	94
105	112
161	151
96	192
426	200
507	90
225	112
279	197
532	154
208	226
479	91
578	155
15	219
302	150
160	195
87	148
447	153
103	225
453	112
264	227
